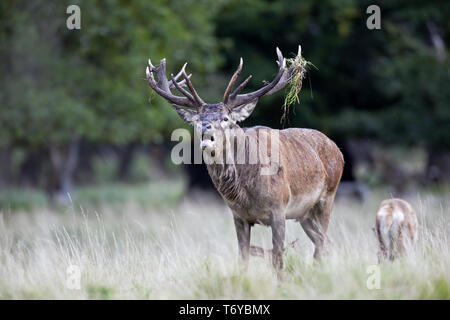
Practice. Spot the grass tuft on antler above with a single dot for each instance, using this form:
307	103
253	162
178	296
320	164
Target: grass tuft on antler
299	66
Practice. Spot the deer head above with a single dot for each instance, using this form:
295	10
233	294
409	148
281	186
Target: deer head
209	118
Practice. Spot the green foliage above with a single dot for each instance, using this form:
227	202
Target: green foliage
417	84
160	194
58	84
27	200
105	169
387	84
325	30
438	289
91	82
98	292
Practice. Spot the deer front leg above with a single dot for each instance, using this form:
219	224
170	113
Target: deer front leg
243	237
278	234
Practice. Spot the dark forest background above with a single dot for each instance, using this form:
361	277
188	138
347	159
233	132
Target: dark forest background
77	116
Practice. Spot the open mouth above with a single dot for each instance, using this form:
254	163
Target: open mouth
213	153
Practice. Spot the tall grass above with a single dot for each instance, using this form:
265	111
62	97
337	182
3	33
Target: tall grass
190	252
160	193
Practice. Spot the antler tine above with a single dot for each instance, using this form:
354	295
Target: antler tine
180	73
179	88
240	87
163	83
280	57
162	86
232	81
286	76
232	100
150	64
182	83
238	100
191	88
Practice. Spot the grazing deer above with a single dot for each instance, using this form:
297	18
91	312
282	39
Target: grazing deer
304	183
396	228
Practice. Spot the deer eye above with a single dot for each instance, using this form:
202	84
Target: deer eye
225	119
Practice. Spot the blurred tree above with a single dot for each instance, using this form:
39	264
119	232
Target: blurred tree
414	75
334	38
60	85
390	84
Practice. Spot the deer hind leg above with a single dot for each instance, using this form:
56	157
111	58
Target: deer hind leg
383	247
398	245
316	225
243	229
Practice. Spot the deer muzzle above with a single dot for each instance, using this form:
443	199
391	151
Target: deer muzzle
206	144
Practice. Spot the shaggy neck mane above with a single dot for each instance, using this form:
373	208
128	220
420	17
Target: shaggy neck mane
226	178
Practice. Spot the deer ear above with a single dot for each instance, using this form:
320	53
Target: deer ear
242	112
188	115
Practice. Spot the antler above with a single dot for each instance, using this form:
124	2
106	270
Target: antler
232	81
232	99
163	86
281	79
182	83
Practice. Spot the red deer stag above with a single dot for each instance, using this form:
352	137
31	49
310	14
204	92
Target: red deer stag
309	166
395	227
